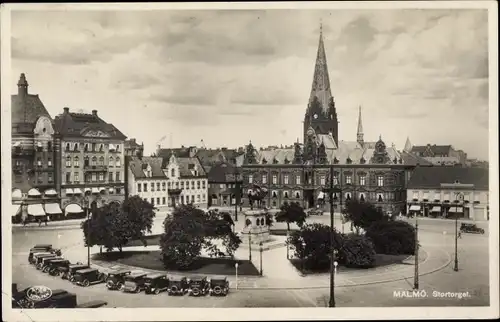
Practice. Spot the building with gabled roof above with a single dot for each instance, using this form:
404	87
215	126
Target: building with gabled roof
443	155
361	169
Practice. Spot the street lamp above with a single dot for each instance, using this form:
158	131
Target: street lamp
458	197
249	246
287	245
86	206
303	253
261	249
237	195
236	267
415	278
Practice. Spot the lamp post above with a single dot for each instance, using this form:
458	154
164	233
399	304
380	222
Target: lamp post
287	245
86	206
458	197
302	259
415	278
237	196
236	267
261	249
249	246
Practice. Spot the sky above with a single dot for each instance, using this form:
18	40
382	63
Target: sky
233	76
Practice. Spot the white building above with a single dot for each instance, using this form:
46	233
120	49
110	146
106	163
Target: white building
449	191
168	182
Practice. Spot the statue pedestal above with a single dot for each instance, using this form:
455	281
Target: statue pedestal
255	231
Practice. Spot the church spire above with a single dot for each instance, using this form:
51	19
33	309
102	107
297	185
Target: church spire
321	81
408	145
360	129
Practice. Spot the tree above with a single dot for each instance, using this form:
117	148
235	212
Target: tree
291	213
363	214
189	229
392	237
358	251
113	225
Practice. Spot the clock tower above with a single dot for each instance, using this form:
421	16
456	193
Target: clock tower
321	114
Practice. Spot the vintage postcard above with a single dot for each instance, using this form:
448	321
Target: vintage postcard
249	161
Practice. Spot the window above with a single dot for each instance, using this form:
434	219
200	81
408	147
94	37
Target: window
197	198
446	196
75	147
380	198
157	186
158	200
101	176
101	161
86	147
250	178
297	179
94	177
111	162
170	185
49	162
192	185
118	190
203	197
362	180
94	161
285	179
145	186
348	196
117	162
76	177
118	176
152	201
348	179
322	180
380	181
297	194
361	197
477	198
49	146
40	178
101	148
285	194
203	185
264	178
152	187
39	162
163	186
275	179
50	178
76	162
335	180
198	184
86	161
192	199
117	147
139	187
172	173
182	184
68	162
68	177
164	201
275	194
67	147
110	177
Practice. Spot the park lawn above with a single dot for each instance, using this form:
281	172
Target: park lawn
204	265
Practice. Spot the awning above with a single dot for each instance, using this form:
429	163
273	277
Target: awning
69	191
17	144
95	190
414	208
17	194
111	190
15	209
436	209
77	191
102	189
87	190
39	144
456	209
73	209
34	193
321	195
36	210
50	192
52	209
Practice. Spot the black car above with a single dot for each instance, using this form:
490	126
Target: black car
43	248
156	283
55	265
177	286
219	286
88	276
67	272
134	283
116	279
44	264
198	286
471	228
37	257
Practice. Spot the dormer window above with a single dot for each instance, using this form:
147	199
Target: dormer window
172	173
286	161
275	161
264	161
348	161
335	160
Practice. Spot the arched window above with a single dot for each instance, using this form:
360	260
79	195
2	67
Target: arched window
75	147
362	197
111	162
117	162
172	173
68	161
275	195
380	199
297	194
76	162
67	146
348	196
94	161
285	194
101	161
101	147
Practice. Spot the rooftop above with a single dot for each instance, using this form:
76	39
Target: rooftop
431	177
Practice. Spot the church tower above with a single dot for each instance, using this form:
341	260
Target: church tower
360	135
321	114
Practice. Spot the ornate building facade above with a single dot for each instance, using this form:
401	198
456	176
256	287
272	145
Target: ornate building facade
368	171
90	157
34	170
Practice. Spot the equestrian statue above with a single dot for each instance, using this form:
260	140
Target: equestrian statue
256	194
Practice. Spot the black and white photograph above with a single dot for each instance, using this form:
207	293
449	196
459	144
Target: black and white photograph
282	160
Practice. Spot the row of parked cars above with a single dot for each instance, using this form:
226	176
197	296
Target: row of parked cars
50	261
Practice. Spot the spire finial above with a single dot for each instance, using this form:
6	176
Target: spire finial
321	27
380	137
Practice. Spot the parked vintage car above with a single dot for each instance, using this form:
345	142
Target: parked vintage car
219	286
116	279
471	228
92	304
177	286
88	276
44	264
43	248
54	265
134	283
314	212
156	283
67	272
37	257
198	286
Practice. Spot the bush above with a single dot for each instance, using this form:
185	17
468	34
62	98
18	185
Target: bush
357	251
363	214
392	237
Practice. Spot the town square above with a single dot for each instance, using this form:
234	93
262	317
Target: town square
249	159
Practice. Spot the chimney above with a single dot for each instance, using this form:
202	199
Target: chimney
22	85
66	110
94	112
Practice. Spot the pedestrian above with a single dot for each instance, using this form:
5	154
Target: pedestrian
460	234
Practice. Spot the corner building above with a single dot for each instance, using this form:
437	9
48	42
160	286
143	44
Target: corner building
367	171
